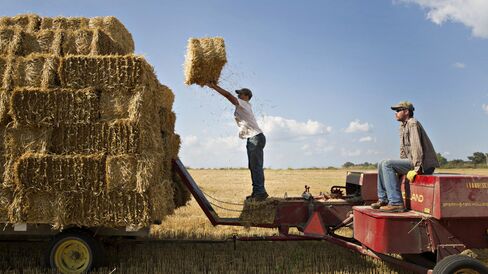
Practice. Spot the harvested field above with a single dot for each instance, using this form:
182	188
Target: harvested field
190	223
205	58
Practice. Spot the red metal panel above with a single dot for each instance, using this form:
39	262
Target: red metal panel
463	196
418	197
390	232
448	196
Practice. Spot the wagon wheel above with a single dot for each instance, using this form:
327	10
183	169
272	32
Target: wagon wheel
74	252
460	264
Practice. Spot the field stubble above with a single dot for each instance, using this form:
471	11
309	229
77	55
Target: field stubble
249	257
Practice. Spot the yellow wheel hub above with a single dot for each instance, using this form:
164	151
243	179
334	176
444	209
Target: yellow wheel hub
72	256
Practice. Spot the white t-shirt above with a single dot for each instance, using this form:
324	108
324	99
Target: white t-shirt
248	127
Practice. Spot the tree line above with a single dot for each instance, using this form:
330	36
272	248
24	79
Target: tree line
477	160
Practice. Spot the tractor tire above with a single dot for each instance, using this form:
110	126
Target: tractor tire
74	252
458	264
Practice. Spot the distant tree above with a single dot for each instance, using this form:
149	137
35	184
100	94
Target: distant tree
478	158
348	165
441	159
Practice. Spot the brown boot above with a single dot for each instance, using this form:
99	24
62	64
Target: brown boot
393	208
378	204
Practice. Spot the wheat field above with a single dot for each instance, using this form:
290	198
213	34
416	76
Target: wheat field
176	255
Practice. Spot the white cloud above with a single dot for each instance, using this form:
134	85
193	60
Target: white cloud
459	65
290	143
471	13
189	140
485	108
357	126
366	139
351	153
318	146
279	128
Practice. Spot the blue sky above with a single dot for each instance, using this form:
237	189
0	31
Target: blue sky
323	73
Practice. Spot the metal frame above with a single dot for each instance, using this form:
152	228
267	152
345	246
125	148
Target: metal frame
351	243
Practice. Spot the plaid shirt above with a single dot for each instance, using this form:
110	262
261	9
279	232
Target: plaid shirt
415	145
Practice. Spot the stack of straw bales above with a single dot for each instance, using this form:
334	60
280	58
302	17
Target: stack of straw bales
86	130
205	58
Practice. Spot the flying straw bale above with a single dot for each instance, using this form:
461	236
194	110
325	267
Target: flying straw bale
205	58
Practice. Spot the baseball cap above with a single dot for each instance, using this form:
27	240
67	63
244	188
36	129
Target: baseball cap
403	105
245	91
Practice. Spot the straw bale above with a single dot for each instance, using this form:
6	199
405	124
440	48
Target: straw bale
27	22
181	193
64	23
80	209
7	70
110	25
105	72
115	30
168	119
152	168
117	137
205	58
40	107
114	104
3	66
160	199
5	200
164	97
91	42
6	38
263	212
139	173
60	173
171	143
121	173
4	107
17	141
36	71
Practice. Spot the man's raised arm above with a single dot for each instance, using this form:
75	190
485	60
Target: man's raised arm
224	93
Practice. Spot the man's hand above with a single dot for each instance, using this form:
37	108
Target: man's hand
411	175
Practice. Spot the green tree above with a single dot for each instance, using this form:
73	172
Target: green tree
478	158
441	159
348	165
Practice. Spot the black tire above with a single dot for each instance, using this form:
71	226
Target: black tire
76	243
457	263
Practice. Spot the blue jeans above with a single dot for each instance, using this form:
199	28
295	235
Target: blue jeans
255	156
389	185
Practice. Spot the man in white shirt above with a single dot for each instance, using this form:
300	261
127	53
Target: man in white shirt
248	129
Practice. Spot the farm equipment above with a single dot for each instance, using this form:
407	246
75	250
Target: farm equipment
446	215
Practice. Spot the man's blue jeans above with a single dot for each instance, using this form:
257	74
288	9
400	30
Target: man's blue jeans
389	185
255	156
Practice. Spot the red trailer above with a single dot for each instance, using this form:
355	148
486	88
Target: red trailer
446	215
